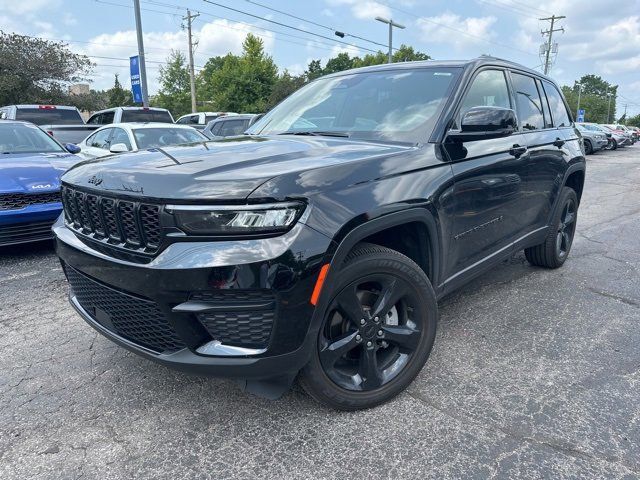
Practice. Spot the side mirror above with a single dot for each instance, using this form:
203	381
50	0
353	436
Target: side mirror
72	148
480	123
118	148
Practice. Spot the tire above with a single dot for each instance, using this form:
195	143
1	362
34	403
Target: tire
353	367
614	145
553	252
588	148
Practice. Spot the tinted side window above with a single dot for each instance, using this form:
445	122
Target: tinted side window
101	139
120	136
183	120
489	89
558	110
548	123
95	119
232	127
194	119
107	117
528	102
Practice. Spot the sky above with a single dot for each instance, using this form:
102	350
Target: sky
599	36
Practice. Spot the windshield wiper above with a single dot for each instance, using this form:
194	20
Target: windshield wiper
317	133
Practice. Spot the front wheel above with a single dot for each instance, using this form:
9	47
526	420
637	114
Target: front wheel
377	331
588	149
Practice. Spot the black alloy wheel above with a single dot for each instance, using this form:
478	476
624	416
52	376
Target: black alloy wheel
376	332
566	228
370	333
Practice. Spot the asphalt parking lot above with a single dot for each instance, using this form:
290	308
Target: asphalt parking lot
535	374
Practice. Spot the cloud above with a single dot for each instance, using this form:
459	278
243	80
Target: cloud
620	66
364	9
218	37
447	28
18	7
327	12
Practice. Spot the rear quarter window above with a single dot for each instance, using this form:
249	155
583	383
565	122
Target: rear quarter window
559	112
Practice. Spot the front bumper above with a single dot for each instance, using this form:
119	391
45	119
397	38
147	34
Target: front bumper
29	224
194	293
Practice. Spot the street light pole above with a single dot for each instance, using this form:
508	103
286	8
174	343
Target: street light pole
391	24
143	66
579	94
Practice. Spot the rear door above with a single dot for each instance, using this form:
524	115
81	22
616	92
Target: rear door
488	178
543	168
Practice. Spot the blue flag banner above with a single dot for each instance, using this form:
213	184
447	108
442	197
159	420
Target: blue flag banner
580	115
136	86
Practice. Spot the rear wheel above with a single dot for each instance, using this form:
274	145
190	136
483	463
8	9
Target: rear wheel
377	331
553	252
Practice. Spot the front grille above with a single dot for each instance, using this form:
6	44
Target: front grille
242	318
25	232
123	223
17	201
139	320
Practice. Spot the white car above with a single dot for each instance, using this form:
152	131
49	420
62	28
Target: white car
130	114
201	119
131	137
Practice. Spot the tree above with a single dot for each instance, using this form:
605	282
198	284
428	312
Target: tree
285	85
634	121
338	63
244	83
34	70
314	70
203	80
117	96
175	92
594	98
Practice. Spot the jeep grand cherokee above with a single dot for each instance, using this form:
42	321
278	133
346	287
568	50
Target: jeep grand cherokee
318	244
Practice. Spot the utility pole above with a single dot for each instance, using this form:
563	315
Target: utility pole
579	94
549	32
192	80
625	114
609	107
143	66
391	24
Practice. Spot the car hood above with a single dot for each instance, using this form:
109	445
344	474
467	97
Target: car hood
33	172
225	170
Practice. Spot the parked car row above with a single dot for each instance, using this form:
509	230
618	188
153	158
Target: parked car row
606	137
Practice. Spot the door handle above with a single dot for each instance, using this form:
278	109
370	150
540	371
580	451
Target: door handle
517	151
558	142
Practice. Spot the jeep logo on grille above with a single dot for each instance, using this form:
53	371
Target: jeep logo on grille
94	180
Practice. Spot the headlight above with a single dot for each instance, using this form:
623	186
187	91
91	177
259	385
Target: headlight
236	219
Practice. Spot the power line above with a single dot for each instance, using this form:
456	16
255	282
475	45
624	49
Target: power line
289	26
251	28
453	28
337	32
510	7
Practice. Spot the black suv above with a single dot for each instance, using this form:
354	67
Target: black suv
318	244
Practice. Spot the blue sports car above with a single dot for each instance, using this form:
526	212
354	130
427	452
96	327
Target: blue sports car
31	163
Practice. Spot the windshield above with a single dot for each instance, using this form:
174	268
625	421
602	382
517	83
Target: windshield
21	138
162	137
396	105
49	116
141	115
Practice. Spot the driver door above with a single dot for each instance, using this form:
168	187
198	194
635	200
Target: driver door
488	176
